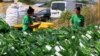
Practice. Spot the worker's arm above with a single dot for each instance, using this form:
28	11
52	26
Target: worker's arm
71	21
27	22
29	25
34	26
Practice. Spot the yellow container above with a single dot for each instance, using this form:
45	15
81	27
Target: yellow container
46	25
43	25
1	4
18	26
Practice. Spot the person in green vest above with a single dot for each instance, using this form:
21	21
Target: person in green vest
27	20
77	20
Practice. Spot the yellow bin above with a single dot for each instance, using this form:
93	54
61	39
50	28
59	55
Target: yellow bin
46	25
1	4
42	25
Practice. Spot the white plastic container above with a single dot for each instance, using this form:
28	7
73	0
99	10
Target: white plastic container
12	14
15	14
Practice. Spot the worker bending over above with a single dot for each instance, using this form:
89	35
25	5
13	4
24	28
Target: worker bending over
27	20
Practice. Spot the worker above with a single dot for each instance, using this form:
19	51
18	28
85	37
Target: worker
27	20
77	20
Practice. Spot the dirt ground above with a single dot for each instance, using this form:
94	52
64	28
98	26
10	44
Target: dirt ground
3	7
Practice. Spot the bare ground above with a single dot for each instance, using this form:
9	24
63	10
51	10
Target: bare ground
4	7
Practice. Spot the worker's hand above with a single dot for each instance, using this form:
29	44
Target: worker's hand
39	22
70	24
29	25
35	26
